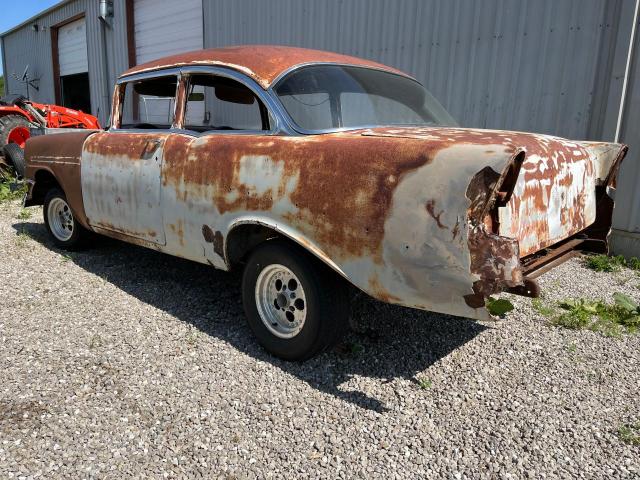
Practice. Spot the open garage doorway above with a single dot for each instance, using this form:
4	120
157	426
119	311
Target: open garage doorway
75	91
71	68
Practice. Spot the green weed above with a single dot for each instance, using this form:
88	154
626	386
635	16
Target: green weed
425	383
10	188
630	433
542	308
623	316
499	307
605	263
24	214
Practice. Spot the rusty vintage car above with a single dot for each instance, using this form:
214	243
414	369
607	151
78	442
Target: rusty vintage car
316	172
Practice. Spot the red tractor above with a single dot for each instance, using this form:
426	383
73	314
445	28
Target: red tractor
19	115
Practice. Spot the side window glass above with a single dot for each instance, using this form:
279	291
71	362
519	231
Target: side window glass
149	103
220	103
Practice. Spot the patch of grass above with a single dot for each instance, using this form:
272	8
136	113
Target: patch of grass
542	308
95	341
24	214
65	257
499	306
572	348
192	337
425	383
11	188
605	263
22	238
623	316
630	433
634	263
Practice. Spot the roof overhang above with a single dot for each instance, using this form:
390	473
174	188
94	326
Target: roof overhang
35	17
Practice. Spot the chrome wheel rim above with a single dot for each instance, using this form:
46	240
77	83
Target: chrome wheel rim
60	219
281	301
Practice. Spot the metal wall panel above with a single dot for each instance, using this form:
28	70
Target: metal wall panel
526	65
625	237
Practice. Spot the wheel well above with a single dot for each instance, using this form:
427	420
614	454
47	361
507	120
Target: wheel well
244	238
44	181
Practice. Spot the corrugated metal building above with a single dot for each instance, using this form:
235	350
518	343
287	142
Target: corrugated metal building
548	66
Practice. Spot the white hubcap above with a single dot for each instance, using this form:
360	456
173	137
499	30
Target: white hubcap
60	219
281	302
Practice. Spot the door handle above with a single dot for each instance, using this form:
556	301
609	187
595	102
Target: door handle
150	148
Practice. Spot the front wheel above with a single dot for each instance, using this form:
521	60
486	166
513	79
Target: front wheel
66	232
295	306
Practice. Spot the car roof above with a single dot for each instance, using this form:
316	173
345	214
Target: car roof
263	63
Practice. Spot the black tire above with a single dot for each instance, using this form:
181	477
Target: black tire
15	155
78	235
8	123
326	297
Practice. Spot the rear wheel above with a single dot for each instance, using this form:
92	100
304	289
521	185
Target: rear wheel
295	306
66	232
14	129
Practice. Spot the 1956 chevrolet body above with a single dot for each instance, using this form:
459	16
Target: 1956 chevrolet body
310	168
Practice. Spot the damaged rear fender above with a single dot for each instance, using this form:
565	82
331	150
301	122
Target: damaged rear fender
441	252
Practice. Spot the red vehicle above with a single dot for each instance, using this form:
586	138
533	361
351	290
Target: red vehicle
18	115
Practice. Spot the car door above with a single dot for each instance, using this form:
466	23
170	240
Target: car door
223	119
121	168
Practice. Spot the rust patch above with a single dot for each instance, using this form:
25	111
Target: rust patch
208	234
456	230
217	239
495	259
430	206
178	229
345	215
379	292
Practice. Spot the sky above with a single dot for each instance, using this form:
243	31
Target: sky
15	12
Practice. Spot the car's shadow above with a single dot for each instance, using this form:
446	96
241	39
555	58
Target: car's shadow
387	342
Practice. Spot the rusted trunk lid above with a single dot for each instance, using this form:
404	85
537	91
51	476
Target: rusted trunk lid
556	194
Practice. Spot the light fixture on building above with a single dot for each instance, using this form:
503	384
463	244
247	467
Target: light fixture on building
106	10
35	27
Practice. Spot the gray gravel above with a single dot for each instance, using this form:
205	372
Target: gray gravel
121	362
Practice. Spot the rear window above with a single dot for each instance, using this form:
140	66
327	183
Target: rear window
327	97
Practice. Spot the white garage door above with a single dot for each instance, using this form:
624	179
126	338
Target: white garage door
72	48
166	27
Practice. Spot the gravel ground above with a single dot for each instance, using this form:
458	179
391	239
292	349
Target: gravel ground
121	362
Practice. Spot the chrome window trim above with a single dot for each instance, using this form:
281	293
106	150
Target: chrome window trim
289	70
280	126
145	76
263	96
